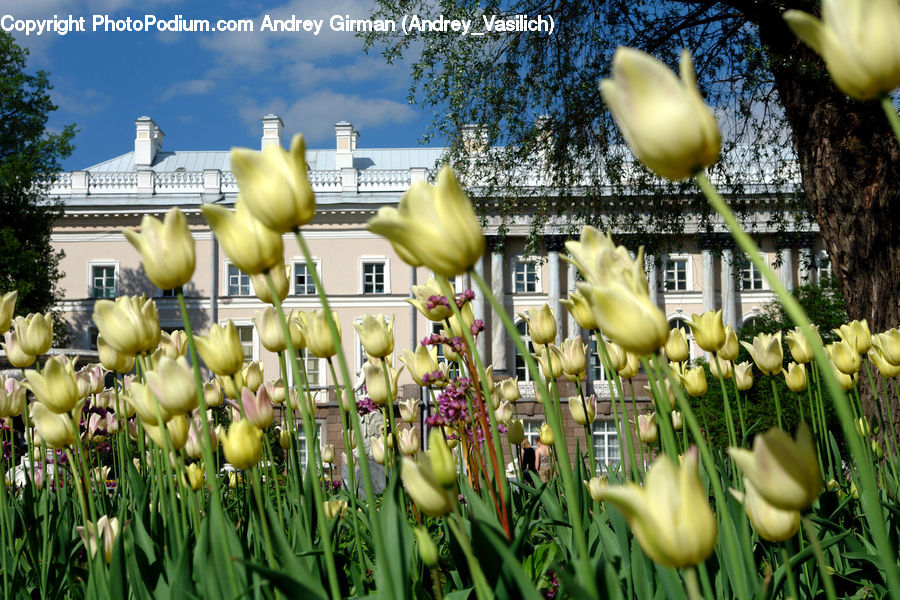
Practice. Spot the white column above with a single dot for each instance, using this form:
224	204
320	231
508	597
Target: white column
729	306
478	308
573	329
709	280
498	288
553	291
652	277
787	268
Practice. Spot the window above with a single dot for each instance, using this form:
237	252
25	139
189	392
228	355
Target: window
676	274
238	282
303	281
532	431
314	374
525	277
302	446
752	321
103	281
823	267
521	368
596	372
606	444
245	333
751	278
374	277
167	293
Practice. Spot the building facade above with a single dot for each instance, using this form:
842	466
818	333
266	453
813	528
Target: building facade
361	272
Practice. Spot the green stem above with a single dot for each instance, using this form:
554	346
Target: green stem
789	573
810	530
692	584
892	116
777	397
865	471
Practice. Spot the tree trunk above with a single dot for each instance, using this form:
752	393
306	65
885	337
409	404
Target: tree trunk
850	167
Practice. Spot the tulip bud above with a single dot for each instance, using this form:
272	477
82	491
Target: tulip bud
375	383
430	301
177	428
856	334
887	345
574	358
426	491
677	348
55	429
334	508
279	274
695	381
268	327
743	376
844	356
887	370
433	226
800	349
709	330
242	444
328	453
7	308
14	353
503	413
250	245
766	352
795	377
725	365
546	436
257	407
509	389
284	439
677	420
541	324
104	532
167	249
56	386
669	515
596	486
130	324
422	365
580	310
784	471
195	475
771	523
409	410
550	359
221	349
408	441
515	432
647	428
376	449
428	551
112	359
632	366
376	334
857	40
12	397
212	393
172	381
318	335
583	410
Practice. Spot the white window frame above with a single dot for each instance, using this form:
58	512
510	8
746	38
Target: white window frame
688	274
822	255
226	281
368	260
532	429
322	366
90	274
594	355
748	265
525	376
303	451
254	351
606	432
300	262
538	268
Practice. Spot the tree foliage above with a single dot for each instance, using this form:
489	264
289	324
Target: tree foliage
28	151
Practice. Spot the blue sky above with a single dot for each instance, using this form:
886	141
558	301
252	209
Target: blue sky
207	91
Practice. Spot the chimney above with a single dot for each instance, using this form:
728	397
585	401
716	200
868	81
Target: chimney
272	127
474	139
147	142
347	137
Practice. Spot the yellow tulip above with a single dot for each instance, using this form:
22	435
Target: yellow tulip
583	411
334	508
858	41
550	361
7	308
376	449
743	376
888	345
663	119
167	249
695	381
420	480
104	532
771	523
275	184
632	366
731	348
268	328
596	487
627	316
177	428
130	324
195	475
784	471
856	334
677	420
430	301
428	551
618	358
795	377
648	430
423	362
546	436
318	335
408	441
574	358
886	369
14	354
465	321
541	324
503	412
172	381
34	332
844	356
515	432
677	348
56	386
112	359
279	274
12	397
670	515
708	330
433	226
725	365
375	384
221	349
766	352
251	246
252	374
145	404
242	444
800	349
55	429
376	334
328	454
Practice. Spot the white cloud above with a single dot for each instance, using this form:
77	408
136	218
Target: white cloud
80	102
192	87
